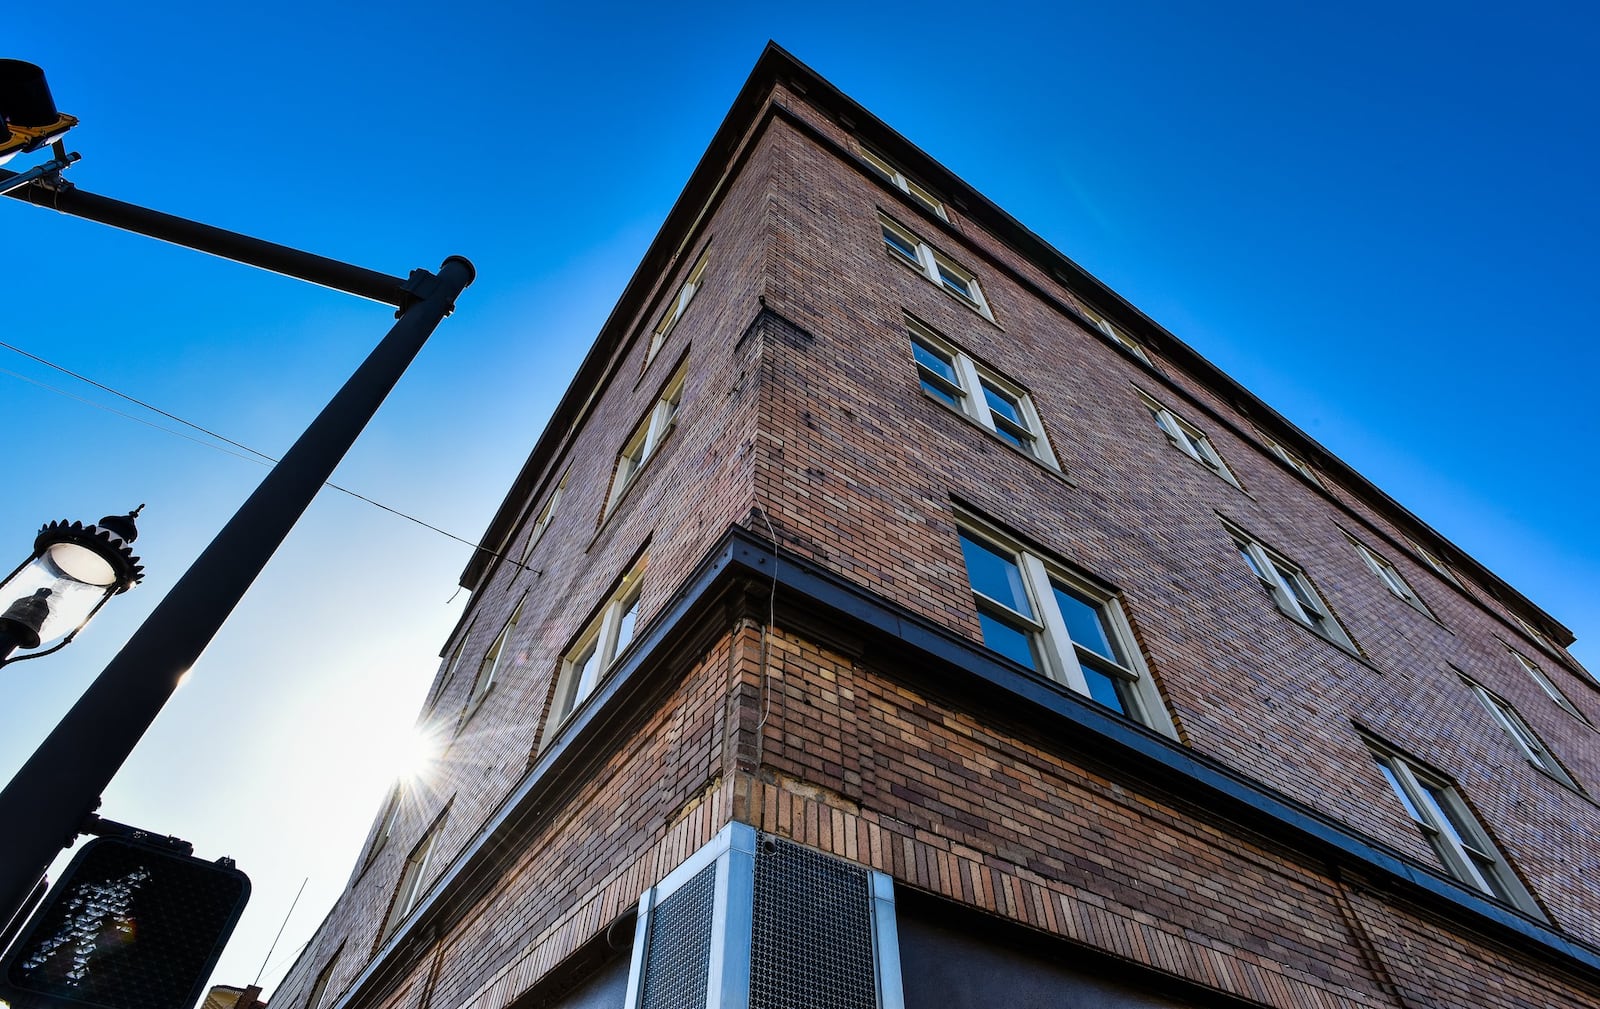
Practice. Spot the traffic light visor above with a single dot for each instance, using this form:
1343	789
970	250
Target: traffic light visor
24	96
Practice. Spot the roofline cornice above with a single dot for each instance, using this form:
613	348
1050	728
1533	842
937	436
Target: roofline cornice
777	66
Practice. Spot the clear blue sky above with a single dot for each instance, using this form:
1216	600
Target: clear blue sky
1379	217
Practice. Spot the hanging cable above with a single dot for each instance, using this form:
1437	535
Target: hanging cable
258	456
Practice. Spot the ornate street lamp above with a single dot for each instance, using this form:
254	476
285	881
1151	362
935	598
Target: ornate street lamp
74	569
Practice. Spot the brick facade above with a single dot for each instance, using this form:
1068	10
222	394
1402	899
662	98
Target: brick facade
802	424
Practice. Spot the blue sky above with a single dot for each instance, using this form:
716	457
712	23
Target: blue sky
1380	219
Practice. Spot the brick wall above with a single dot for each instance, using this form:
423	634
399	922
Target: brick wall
862	472
801	399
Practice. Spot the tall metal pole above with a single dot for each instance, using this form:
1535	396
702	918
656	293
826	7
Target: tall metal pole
44	806
55	193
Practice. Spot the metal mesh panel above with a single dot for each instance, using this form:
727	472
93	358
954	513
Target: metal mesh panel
679	957
811	946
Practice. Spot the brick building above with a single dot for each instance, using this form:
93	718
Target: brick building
911	621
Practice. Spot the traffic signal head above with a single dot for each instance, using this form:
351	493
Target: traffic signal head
129	925
28	116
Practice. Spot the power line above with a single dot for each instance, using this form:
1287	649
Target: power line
254	455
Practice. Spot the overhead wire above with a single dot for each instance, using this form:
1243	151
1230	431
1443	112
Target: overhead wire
255	455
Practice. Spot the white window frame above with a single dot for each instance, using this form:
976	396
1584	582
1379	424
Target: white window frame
1546	684
1115	332
1295	462
895	177
1390	577
1062	658
641	446
386	822
933	264
1188	439
678	306
971	381
453	664
319	987
1290	589
1463	847
1432	560
606	638
409	890
489	666
547	514
1522	735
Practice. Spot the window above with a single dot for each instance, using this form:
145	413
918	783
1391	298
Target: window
1060	625
598	647
1188	438
1443	818
491	661
1436	564
1521	735
380	837
410	889
898	179
995	403
1290	589
920	256
320	988
1390	577
542	523
1115	332
1296	463
647	437
675	311
1534	633
452	665
1546	685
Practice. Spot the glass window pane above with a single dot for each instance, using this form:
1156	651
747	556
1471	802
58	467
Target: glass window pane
1014	438
995	574
935	361
1106	689
942	393
586	669
1400	791
956	282
625	625
896	242
1003	404
1086	624
1014	644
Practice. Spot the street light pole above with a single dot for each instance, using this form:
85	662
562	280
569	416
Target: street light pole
48	800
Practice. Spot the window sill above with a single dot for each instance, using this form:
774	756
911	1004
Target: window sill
1349	649
1053	469
1207	467
982	311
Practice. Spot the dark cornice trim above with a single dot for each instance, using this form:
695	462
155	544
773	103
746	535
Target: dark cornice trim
735	579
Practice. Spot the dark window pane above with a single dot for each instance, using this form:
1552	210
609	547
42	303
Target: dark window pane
995	574
1004	405
1086	624
893	240
956	283
1012	437
935	361
1007	640
1105	689
942	393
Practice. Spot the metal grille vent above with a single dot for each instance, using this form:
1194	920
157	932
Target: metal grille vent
811	944
678	961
